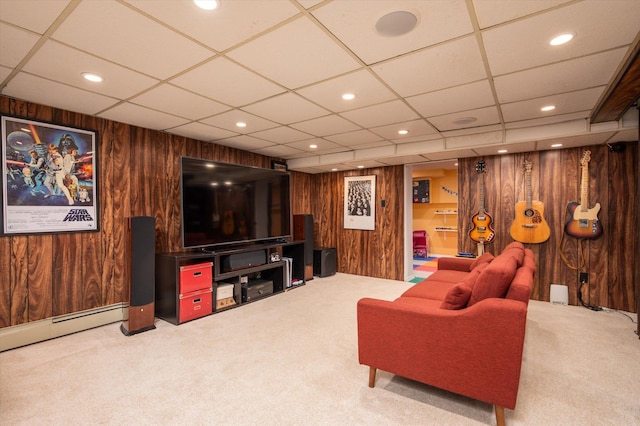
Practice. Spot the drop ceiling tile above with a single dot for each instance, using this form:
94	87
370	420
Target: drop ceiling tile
323	146
357	137
416	128
375	153
176	101
511	148
286	109
119	82
287	58
282	134
525	44
382	114
445	65
369	145
229	119
245	142
474	140
493	12
573	141
547	120
354	22
14	44
547	131
117	33
338	157
233	22
451	154
327	125
46	92
282	151
582	100
400	160
363	164
4	72
421	147
200	131
367	88
142	117
561	77
459	98
227	82
34	15
484	117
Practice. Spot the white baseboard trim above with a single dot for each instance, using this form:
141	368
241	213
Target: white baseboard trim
50	328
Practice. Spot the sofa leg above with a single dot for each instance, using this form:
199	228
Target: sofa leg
372	376
499	415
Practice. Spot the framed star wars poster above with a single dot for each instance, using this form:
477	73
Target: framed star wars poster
360	202
49	178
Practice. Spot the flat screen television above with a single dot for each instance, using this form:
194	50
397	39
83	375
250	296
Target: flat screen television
226	204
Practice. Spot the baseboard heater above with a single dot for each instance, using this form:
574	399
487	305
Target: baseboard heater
50	328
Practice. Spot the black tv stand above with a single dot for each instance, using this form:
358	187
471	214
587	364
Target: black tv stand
179	300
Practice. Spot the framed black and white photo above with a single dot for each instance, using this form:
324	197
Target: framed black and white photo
359	202
49	179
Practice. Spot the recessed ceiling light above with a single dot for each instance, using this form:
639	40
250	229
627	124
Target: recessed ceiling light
92	77
502	151
207	4
403	132
211	166
361	167
548	108
214	183
561	39
348	96
556	145
241	124
334	169
464	120
313	146
455	164
396	23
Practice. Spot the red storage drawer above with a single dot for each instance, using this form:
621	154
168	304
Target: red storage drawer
195	277
195	305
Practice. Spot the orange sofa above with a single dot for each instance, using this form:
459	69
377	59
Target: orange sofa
462	329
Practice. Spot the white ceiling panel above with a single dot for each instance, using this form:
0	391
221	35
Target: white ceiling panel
229	119
286	109
47	92
115	32
327	125
15	44
227	82
459	98
322	146
282	134
583	100
219	29
34	15
282	151
416	128
354	21
445	65
525	44
199	131
142	117
482	117
246	142
179	102
493	12
561	77
119	82
380	115
362	83
358	137
292	61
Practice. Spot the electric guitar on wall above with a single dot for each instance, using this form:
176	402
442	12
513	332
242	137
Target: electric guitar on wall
529	225
583	221
482	231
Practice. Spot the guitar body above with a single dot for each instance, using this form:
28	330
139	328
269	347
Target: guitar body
482	231
529	225
583	223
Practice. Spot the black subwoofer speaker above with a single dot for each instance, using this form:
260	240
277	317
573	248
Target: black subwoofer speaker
303	231
324	261
140	276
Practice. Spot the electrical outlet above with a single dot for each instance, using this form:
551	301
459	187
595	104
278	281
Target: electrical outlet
584	277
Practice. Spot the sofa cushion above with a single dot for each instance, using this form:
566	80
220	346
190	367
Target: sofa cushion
485	258
457	297
430	289
516	253
521	285
448	276
418	301
529	260
494	280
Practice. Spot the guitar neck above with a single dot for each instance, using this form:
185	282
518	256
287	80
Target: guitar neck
528	190
584	189
481	193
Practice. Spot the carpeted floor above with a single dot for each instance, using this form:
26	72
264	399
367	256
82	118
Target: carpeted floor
292	359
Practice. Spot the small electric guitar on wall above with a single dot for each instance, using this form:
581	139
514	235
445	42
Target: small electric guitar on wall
583	221
482	231
529	225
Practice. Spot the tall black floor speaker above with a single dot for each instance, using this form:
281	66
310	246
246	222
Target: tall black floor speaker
140	276
324	261
303	230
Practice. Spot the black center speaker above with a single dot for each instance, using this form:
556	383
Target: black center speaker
140	276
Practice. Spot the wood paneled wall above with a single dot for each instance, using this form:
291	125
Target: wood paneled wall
556	181
139	175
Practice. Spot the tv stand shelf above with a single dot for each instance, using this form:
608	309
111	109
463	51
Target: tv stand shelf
185	292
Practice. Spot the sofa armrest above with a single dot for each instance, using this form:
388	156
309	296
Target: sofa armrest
476	352
455	263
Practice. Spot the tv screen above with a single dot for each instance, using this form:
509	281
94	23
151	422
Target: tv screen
230	204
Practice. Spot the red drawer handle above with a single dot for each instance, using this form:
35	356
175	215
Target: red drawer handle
198	300
197	274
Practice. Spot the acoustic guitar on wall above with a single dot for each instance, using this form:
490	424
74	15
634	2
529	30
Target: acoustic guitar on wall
482	231
583	221
529	225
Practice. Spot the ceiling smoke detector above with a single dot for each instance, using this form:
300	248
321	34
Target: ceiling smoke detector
397	23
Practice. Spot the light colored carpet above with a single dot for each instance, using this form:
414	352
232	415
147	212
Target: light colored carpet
291	359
